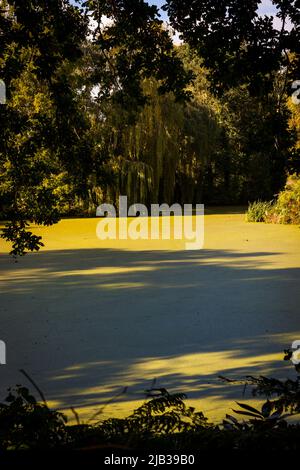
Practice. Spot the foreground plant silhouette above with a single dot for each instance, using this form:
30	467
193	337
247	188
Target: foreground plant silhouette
163	422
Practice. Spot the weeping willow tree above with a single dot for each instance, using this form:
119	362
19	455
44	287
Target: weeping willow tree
202	131
162	156
208	149
144	155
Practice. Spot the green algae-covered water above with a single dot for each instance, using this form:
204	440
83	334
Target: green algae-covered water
86	318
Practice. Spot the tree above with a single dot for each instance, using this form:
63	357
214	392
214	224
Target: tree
242	48
161	156
237	44
46	150
134	46
38	121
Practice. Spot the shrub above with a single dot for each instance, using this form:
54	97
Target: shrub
287	207
164	422
27	424
259	211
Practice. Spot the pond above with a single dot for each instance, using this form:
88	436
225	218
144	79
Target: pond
86	318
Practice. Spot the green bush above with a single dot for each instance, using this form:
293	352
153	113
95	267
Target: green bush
285	210
287	207
259	211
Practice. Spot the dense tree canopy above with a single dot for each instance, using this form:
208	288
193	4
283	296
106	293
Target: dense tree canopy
238	44
100	102
46	147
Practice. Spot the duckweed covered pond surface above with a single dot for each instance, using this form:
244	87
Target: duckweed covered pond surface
87	318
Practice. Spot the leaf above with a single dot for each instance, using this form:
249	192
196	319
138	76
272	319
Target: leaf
267	408
249	408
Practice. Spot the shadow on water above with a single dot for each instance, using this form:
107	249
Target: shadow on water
86	323
225	210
